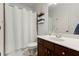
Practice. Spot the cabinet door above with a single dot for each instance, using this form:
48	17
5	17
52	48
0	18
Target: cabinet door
45	48
60	51
42	51
73	52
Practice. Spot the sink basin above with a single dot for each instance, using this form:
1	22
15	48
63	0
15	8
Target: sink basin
56	39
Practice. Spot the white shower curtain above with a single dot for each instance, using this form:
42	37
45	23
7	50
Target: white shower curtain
20	28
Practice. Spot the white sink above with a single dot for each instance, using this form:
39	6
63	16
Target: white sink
55	38
58	39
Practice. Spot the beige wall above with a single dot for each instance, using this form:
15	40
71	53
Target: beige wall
43	28
65	17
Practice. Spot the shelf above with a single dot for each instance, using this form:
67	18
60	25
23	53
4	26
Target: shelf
41	14
41	20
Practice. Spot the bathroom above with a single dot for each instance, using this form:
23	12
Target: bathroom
25	26
19	28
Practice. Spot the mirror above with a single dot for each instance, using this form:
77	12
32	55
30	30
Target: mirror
64	18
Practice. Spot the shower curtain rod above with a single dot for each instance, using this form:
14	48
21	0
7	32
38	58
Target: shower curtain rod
4	27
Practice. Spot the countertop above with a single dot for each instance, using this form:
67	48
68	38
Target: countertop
71	43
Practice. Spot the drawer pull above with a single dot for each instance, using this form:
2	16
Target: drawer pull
48	52
63	53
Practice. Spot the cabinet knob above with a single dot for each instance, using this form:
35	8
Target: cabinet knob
48	52
63	53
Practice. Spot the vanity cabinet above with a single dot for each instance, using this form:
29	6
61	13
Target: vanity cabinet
46	48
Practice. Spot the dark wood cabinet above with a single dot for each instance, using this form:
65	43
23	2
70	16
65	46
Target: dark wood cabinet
59	50
46	48
72	52
42	51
